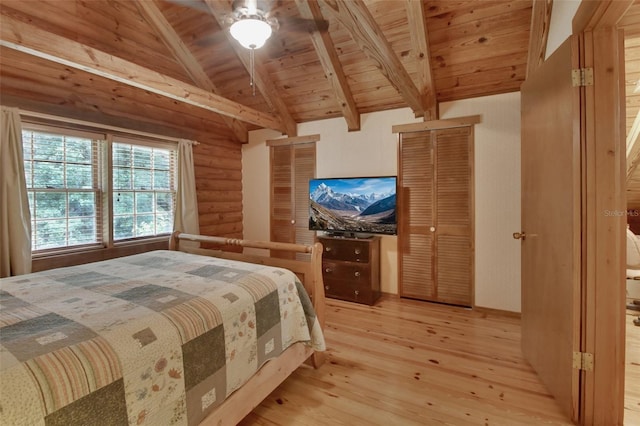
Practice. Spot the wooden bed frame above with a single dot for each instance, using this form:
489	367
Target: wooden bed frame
273	373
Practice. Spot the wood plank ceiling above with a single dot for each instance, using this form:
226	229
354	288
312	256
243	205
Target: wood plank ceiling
171	65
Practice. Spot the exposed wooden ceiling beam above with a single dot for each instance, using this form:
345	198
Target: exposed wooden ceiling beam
27	38
261	78
539	33
309	9
356	18
153	15
420	42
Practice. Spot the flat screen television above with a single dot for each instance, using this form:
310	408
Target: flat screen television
353	205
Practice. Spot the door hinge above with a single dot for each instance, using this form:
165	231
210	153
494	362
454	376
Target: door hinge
582	77
583	361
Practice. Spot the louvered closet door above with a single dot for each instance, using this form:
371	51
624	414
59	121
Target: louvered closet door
292	166
416	216
304	170
454	243
436	227
281	203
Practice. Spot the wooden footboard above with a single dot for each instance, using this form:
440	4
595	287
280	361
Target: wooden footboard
274	372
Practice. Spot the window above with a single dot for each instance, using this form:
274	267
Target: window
143	190
63	188
70	200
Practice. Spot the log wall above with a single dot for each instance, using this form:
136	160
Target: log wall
218	169
40	86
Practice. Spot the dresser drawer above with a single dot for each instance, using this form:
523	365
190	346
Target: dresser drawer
347	250
352	272
349	290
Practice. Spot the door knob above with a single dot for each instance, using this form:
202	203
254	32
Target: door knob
519	235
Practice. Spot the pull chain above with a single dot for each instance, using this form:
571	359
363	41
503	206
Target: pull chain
251	71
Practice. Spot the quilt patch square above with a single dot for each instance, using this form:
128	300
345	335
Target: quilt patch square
203	356
206	395
156	262
270	344
155	297
267	313
106	406
46	333
87	279
219	273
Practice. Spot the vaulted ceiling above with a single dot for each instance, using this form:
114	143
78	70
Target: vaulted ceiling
172	65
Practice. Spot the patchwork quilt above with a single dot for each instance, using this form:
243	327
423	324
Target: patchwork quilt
151	339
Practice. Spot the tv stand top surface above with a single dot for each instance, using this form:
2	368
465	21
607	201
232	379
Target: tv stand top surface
347	235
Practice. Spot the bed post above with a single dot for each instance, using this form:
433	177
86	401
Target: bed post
174	241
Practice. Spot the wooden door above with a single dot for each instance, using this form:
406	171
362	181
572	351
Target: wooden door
453	199
415	201
292	166
436	205
551	249
281	200
304	160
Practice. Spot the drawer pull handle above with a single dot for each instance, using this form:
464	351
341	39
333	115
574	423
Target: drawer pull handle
357	251
356	292
327	248
328	270
357	273
326	287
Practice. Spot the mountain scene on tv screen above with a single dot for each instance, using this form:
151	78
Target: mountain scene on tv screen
355	206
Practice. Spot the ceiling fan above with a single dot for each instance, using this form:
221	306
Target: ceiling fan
252	22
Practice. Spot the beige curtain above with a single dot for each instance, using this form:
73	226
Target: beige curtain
186	217
15	218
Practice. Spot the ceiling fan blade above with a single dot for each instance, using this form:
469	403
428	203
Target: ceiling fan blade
296	24
212	40
191	4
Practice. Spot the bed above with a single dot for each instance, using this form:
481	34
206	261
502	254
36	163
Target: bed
184	336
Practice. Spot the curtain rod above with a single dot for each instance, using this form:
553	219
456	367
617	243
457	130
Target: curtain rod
34	114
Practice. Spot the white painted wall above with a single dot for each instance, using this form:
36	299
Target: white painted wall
497	197
373	151
255	185
562	13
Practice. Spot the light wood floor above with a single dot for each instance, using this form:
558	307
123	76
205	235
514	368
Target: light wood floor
407	362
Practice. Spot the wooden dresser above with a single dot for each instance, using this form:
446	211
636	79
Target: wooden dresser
351	268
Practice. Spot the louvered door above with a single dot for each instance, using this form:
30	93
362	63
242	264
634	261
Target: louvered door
416	216
292	166
304	160
436	202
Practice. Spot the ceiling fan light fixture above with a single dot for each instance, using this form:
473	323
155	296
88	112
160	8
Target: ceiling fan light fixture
251	33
